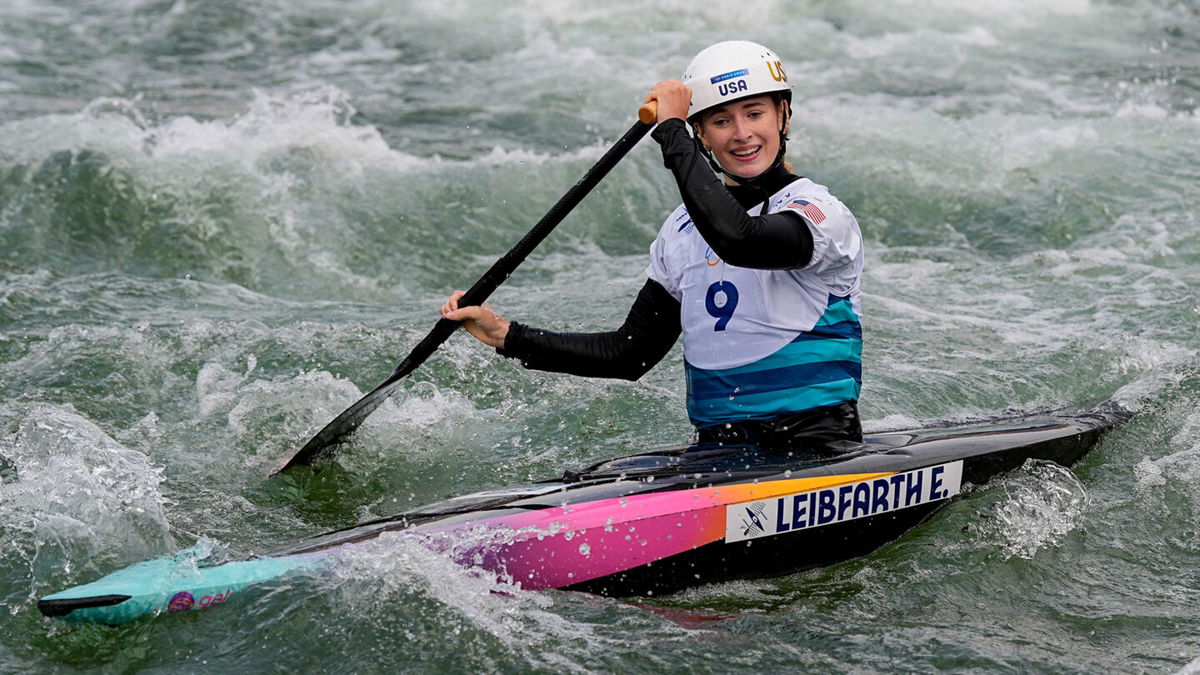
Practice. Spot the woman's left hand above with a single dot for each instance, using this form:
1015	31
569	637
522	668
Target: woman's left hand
481	321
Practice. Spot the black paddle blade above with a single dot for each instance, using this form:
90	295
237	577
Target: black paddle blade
322	445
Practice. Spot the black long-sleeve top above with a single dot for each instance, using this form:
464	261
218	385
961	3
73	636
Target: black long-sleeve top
772	241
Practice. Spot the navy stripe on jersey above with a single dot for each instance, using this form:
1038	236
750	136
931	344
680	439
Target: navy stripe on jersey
820	368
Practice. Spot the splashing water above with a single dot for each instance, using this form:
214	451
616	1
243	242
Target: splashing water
80	500
1041	505
221	222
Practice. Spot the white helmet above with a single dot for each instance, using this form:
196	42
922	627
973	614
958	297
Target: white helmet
731	70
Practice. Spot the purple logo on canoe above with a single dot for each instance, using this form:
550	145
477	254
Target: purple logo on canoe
181	602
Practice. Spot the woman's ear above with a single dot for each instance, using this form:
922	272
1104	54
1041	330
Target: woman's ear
784	109
696	129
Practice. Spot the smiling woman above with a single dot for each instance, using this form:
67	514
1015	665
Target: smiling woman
745	136
221	222
770	324
740	116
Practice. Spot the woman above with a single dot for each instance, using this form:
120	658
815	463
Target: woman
760	273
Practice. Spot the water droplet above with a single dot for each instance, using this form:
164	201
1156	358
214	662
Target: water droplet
584	549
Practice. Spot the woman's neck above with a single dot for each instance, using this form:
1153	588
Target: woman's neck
751	191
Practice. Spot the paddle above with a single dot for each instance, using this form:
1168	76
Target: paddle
322	445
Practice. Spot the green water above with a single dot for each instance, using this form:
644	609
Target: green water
223	222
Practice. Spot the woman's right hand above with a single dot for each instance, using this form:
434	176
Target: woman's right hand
481	321
673	98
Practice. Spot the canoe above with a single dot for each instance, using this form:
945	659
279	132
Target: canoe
651	523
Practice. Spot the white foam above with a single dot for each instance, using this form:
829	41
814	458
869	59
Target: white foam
1042	504
1180	466
306	401
318	120
1148	475
1192	668
1144	109
258	412
878	46
426	405
80	496
894	422
215	388
397	568
500	157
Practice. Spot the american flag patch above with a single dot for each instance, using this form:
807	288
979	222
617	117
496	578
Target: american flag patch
809	210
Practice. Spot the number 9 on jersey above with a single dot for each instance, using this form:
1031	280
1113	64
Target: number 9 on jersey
721	301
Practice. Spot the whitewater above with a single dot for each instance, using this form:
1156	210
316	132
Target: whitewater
223	222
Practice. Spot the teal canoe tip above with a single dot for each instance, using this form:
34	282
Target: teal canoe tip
165	586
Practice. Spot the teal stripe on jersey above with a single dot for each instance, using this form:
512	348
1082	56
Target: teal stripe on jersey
820	368
838	310
706	384
770	404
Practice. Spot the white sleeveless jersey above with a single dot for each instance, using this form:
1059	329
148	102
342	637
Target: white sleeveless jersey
759	343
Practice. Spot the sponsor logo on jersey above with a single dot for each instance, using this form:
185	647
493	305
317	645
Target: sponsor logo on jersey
729	76
687	225
711	258
826	506
809	210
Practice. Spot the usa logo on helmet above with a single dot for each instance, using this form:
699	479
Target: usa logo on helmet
776	70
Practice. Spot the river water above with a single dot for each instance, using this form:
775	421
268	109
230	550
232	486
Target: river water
223	221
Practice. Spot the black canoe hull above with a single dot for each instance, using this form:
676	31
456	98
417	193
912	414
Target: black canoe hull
986	453
653	523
